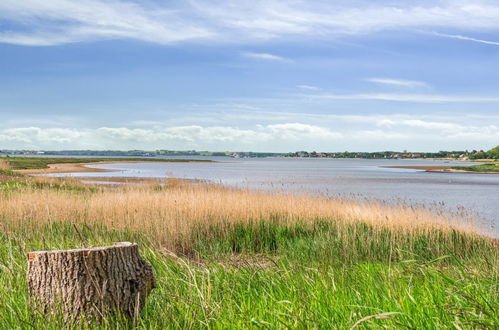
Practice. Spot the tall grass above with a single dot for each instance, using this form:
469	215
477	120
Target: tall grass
300	286
173	215
228	258
4	165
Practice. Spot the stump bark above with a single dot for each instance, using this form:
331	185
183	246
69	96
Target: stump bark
91	281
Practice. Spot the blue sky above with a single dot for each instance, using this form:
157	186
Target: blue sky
249	75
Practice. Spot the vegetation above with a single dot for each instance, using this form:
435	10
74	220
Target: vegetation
455	154
227	258
140	153
491	154
479	168
23	163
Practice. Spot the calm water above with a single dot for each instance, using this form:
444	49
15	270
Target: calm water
356	178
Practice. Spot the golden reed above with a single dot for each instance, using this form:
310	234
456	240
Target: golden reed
4	165
174	209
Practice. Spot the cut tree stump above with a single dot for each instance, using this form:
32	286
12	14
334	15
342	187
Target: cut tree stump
91	281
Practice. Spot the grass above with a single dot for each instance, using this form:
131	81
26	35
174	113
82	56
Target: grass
29	163
227	258
5	169
491	167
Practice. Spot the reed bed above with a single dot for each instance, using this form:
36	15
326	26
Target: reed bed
4	165
176	214
174	208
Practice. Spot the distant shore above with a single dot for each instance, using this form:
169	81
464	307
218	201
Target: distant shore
440	169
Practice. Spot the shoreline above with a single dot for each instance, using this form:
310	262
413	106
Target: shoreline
70	168
80	167
101	180
439	169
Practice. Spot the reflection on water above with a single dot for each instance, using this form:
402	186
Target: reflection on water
477	194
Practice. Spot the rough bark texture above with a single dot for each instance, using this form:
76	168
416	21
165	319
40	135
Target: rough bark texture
90	282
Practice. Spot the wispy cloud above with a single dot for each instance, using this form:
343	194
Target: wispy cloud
415	98
43	23
460	37
265	56
398	82
309	87
35	23
266	19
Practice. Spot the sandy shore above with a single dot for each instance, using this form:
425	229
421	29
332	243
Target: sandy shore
70	168
440	169
81	168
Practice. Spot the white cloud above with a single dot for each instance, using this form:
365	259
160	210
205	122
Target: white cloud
43	23
296	131
309	87
56	22
398	82
270	19
332	132
442	126
265	56
460	37
414	98
43	136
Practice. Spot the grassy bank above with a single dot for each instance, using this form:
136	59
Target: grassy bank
289	280
30	163
227	258
491	167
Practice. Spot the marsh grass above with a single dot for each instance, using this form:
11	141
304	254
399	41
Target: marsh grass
489	167
4	165
227	258
168	213
6	169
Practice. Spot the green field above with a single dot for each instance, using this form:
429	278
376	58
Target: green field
25	163
491	167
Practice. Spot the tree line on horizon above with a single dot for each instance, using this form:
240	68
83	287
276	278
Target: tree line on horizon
464	154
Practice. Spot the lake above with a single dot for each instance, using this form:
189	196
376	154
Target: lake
361	179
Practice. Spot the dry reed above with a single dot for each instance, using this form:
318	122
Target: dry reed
163	212
4	165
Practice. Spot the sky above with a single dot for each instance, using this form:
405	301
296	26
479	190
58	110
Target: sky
259	75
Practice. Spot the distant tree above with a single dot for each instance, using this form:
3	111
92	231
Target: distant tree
493	153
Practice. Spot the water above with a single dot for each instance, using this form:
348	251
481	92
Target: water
477	194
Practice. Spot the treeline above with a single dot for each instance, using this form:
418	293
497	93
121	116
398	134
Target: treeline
344	154
137	153
456	154
103	153
490	154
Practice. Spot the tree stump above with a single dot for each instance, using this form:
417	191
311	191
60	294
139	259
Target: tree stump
91	281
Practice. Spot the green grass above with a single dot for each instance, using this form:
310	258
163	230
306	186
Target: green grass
15	184
24	163
265	275
275	277
492	167
11	173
